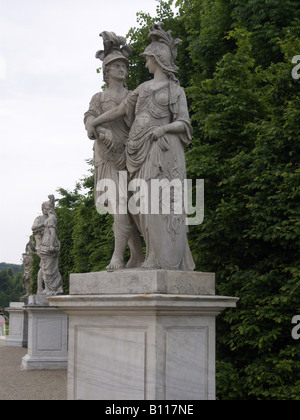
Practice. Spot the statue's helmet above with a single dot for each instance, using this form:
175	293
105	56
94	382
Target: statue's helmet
163	48
115	56
163	56
115	48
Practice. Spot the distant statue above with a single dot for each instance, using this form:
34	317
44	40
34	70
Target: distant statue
158	115
47	248
2	326
27	263
109	144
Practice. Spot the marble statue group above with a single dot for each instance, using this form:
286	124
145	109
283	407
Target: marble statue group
143	132
144	330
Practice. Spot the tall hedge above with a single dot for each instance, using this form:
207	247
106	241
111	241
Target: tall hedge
235	65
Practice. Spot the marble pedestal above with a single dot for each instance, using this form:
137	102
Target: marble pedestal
18	325
142	335
47	336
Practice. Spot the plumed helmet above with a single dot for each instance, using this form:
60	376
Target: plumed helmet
163	48
115	48
116	55
162	54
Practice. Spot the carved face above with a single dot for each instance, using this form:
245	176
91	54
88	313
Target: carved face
47	208
151	64
118	70
44	209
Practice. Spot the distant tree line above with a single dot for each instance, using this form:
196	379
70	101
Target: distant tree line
17	268
11	279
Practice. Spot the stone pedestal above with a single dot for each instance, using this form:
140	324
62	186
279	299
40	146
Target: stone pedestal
2	328
47	336
18	328
142	335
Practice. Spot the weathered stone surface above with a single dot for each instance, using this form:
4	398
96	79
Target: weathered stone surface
143	282
47	339
141	346
157	117
48	247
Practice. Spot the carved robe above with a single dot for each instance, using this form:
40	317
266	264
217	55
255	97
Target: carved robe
148	108
49	257
106	160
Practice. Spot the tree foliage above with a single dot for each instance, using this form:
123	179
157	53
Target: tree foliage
247	150
235	65
86	236
11	288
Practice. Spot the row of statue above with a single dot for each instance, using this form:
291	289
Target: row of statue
143	132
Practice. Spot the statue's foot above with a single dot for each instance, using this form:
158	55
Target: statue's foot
135	261
41	292
150	263
44	292
115	264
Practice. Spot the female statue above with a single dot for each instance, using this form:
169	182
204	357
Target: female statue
48	247
160	129
109	144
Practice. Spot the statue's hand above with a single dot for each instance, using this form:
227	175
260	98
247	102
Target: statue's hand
91	132
106	136
108	140
158	133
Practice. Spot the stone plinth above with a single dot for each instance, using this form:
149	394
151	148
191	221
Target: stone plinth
18	325
47	336
143	282
150	335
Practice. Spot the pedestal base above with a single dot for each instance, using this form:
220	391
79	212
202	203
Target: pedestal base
150	346
18	325
47	338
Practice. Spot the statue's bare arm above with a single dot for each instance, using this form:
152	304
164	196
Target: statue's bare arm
109	116
177	127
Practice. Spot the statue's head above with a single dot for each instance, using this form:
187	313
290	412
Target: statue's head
115	53
115	65
163	48
48	206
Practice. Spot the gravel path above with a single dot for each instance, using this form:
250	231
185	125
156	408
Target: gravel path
18	384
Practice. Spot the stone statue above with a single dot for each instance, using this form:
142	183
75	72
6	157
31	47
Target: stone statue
47	248
158	115
110	141
27	262
2	325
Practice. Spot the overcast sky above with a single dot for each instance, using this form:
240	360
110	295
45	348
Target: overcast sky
47	78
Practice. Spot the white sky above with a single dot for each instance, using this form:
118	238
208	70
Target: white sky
47	78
